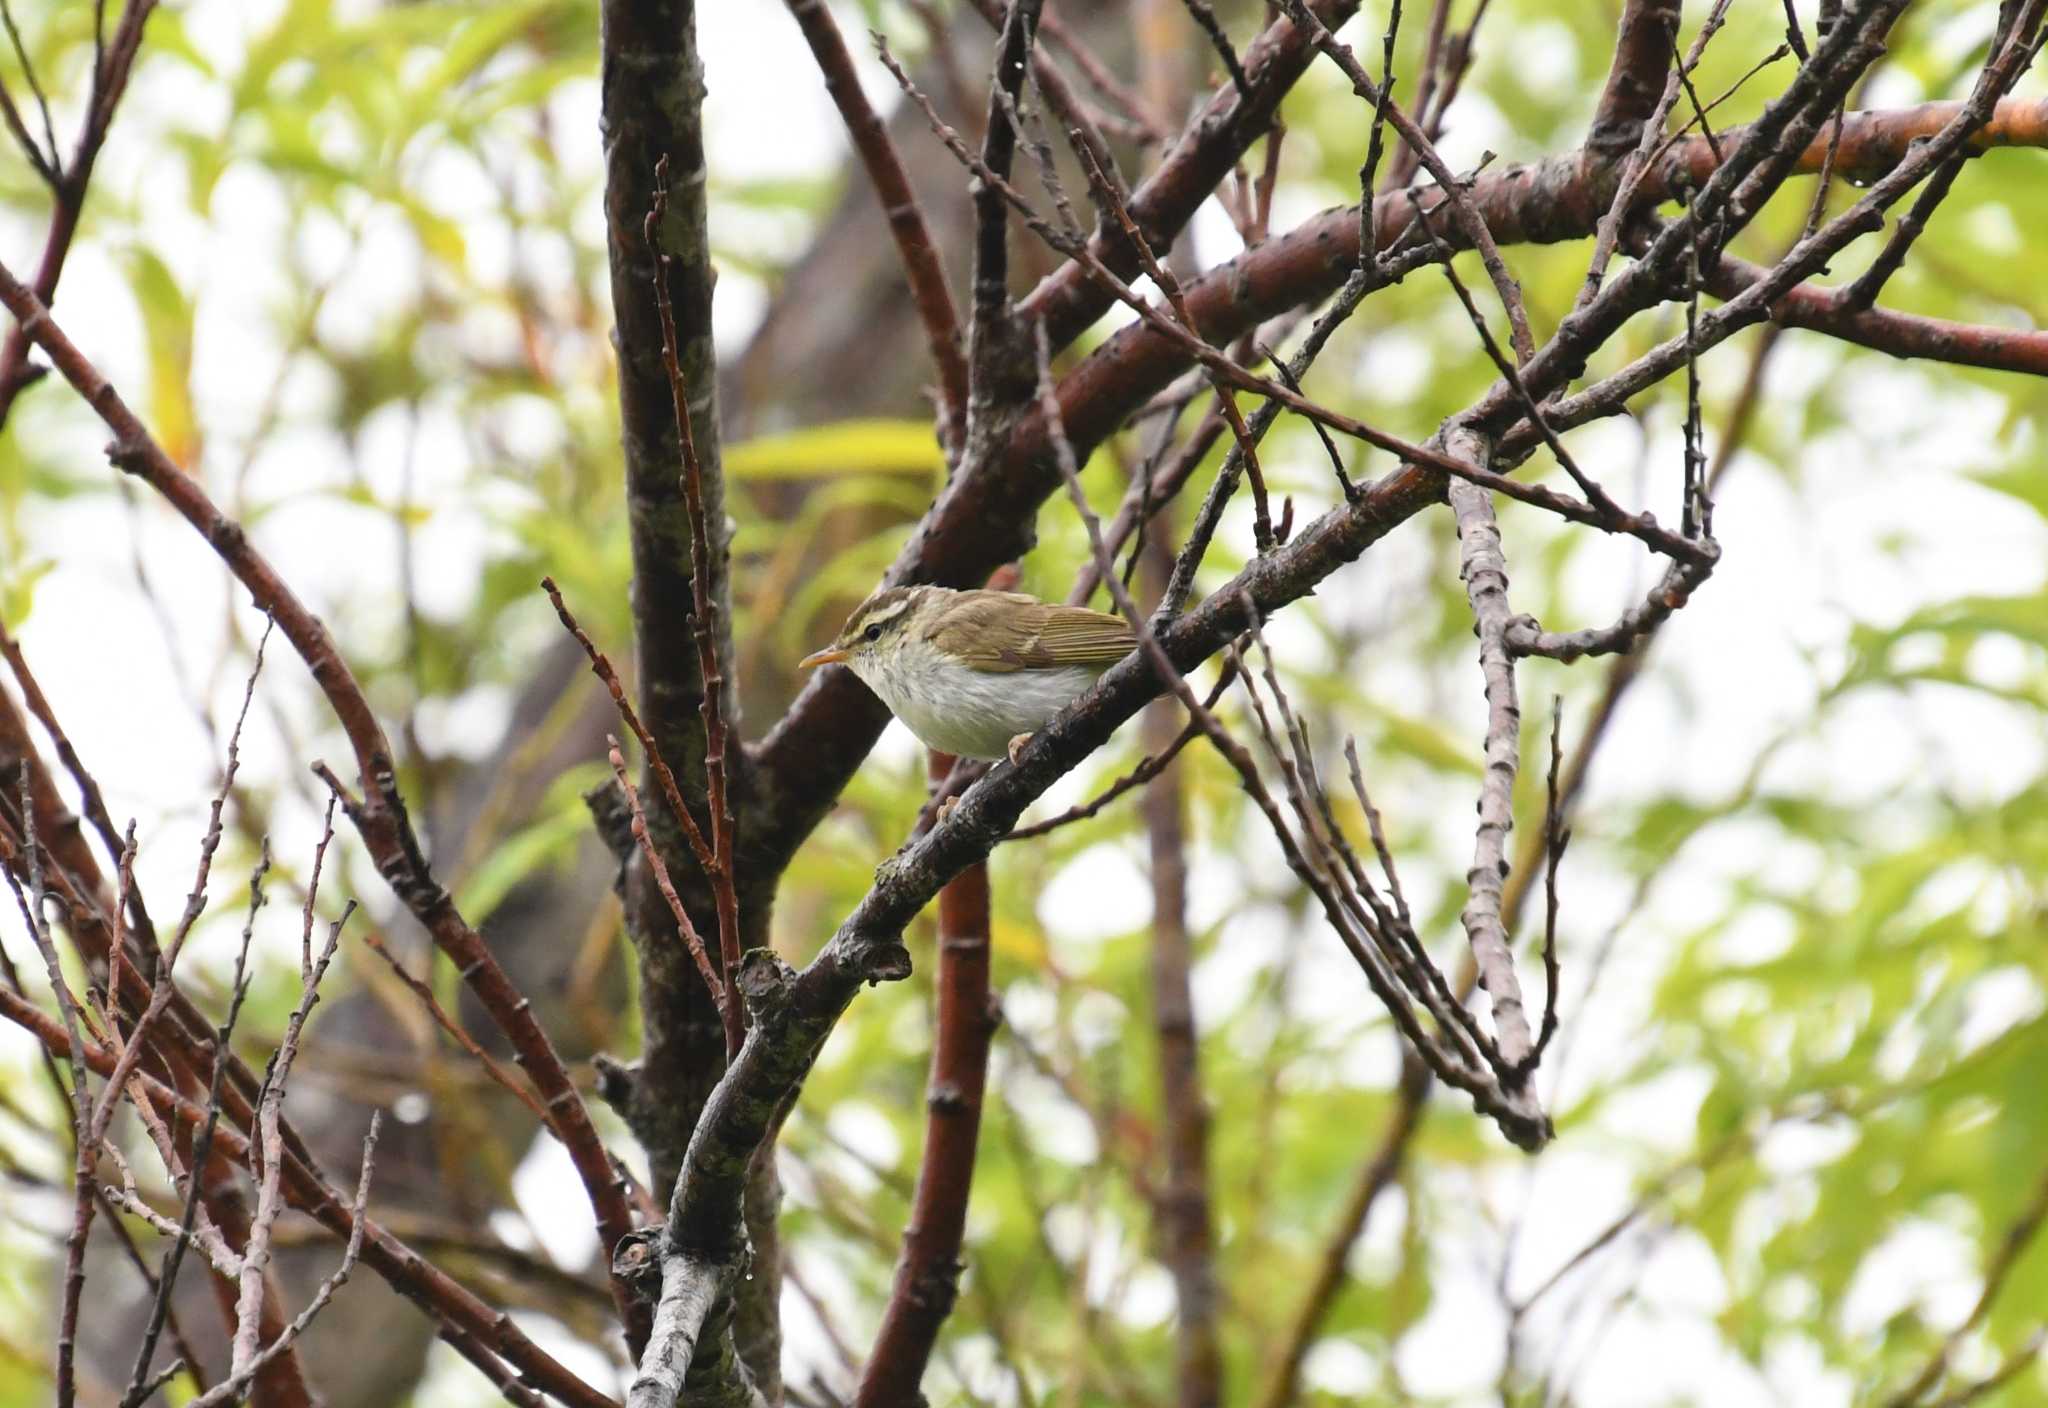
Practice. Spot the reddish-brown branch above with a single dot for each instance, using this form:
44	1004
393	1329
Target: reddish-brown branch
1183	1230
922	268
658	765
978	520
1068	300
1451	189
707	966
707	591
1910	335
88	786
471	1321
77	1099
1635	80
928	1274
380	814
73	878
110	82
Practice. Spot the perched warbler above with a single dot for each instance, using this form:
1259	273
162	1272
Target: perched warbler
975	673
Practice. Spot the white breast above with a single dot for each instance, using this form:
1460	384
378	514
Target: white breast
967	712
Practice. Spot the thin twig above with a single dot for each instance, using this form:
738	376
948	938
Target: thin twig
1204	16
79	1097
1226	402
703	625
651	854
1469	219
922	269
235	1387
380	815
1148	768
601	666
202	1146
492	1067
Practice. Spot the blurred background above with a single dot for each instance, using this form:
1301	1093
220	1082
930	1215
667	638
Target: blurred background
348	261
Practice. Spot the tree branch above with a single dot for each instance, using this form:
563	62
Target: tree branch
983	519
928	1273
379	815
480	1332
922	269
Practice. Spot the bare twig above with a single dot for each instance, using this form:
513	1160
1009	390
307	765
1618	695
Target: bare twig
202	1145
232	1389
1484	570
658	765
379	815
80	1099
651	854
481	1334
705	569
110	74
1149	767
922	269
2019	1235
1226	403
1467	216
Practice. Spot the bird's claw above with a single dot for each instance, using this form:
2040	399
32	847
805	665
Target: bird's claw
946	808
1017	747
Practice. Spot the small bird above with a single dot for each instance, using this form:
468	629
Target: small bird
975	674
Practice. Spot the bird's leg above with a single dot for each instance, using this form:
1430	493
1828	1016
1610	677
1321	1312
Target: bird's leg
1017	746
946	808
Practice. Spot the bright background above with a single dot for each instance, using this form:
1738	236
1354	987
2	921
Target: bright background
348	260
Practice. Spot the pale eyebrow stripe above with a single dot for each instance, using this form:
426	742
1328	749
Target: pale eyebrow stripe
883	614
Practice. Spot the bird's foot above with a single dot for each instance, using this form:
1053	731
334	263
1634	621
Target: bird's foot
1017	746
946	808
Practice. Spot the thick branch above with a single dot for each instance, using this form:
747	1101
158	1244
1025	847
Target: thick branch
1635	81
928	1275
984	519
651	106
1907	335
1486	588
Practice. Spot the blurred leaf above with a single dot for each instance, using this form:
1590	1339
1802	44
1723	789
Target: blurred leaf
841	448
167	323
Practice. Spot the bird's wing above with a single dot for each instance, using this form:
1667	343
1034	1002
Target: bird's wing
1001	632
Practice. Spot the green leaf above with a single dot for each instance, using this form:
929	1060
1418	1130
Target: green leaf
18	589
842	447
549	841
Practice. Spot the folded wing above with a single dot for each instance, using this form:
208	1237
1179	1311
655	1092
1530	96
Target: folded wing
1002	632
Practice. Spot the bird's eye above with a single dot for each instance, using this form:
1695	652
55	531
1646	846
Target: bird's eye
873	632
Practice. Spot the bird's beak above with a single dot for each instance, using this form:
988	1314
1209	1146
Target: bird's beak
832	655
